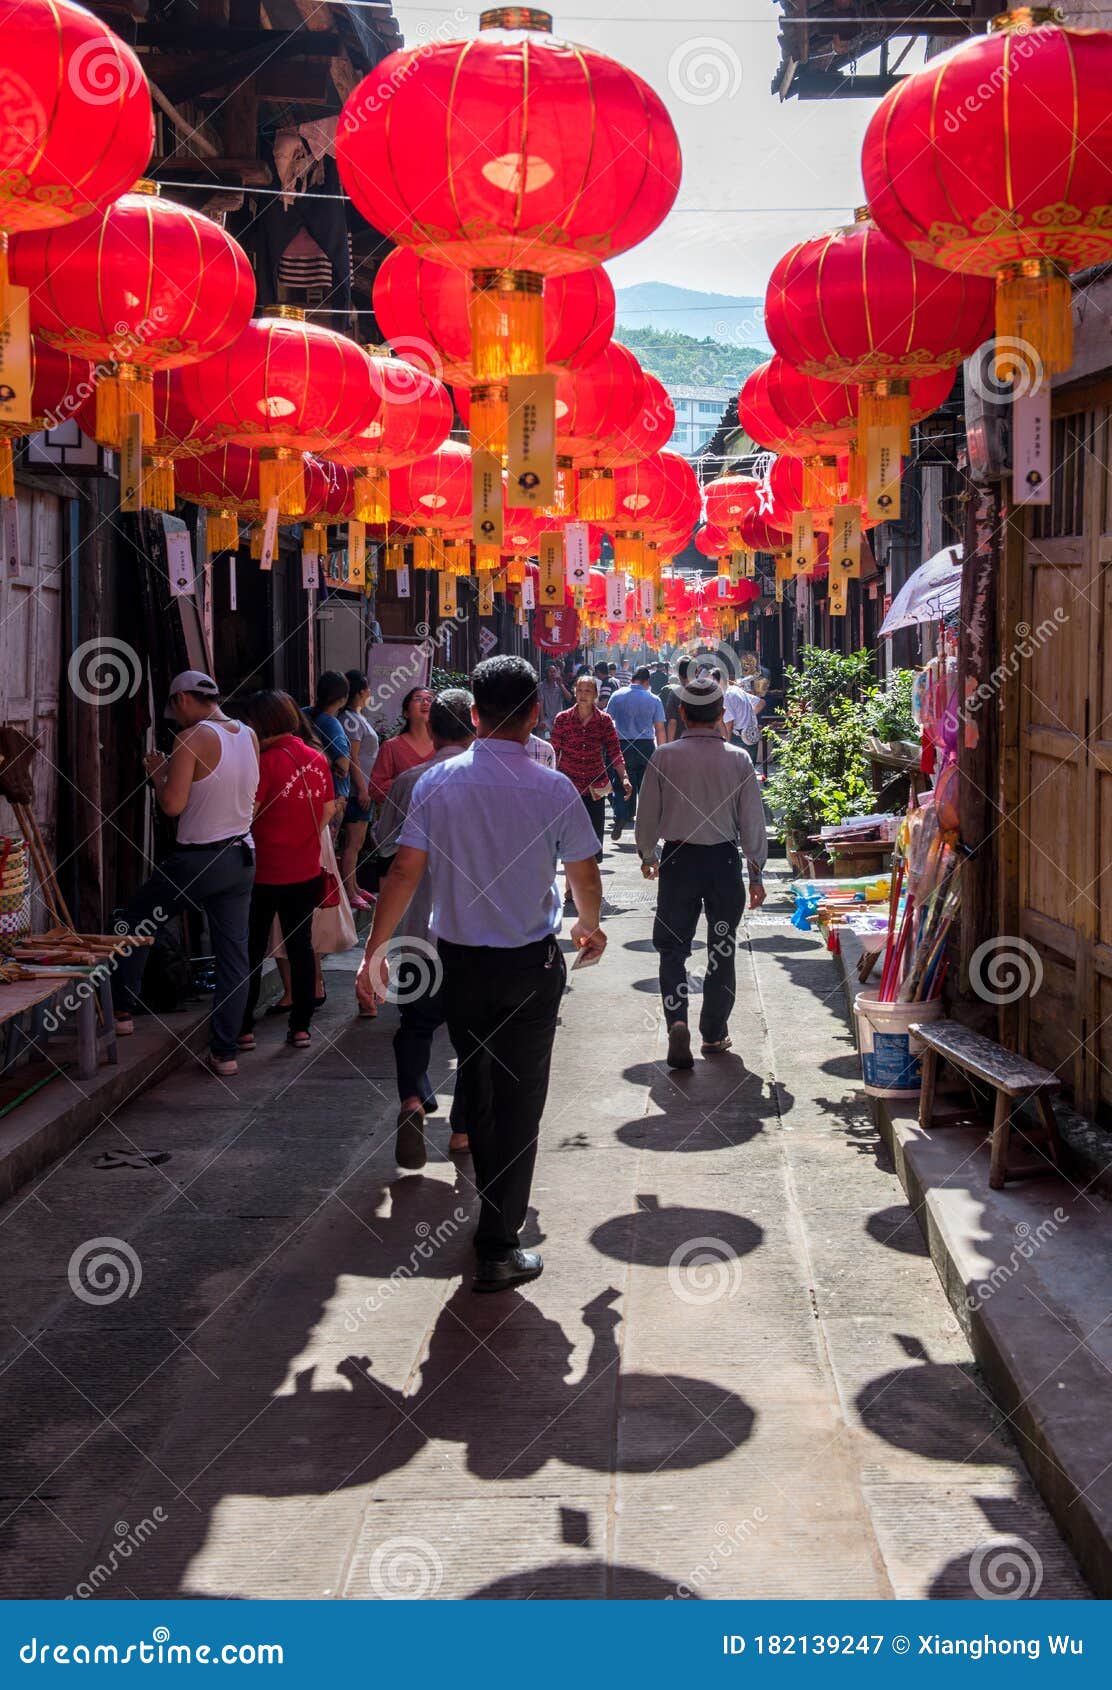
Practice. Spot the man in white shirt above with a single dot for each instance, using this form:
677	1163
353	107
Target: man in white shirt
739	716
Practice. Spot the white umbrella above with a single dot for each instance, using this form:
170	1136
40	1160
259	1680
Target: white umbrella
930	593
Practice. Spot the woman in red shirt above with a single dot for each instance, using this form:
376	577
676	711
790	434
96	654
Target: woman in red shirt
294	796
412	746
585	741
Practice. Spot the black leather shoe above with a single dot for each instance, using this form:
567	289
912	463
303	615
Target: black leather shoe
516	1269
679	1046
409	1145
430	1106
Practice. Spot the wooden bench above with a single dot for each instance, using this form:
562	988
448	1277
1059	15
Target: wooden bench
1011	1077
80	991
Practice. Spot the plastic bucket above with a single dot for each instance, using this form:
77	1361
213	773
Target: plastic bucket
889	1053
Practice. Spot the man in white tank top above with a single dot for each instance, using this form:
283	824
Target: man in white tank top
209	782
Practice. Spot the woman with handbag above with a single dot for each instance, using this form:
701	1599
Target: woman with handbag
293	800
585	741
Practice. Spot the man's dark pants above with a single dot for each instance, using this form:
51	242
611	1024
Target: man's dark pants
422	1013
217	879
695	879
636	754
502	1007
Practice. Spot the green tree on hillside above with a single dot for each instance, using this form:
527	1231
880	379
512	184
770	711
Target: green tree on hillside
681	360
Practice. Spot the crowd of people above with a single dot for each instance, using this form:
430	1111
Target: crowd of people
470	809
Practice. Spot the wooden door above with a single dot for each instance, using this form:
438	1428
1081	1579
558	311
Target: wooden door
1058	658
31	647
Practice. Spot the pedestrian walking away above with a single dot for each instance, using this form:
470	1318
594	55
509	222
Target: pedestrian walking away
491	825
420	996
638	716
209	782
700	796
585	741
293	799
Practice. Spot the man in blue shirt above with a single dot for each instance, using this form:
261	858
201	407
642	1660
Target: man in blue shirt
638	715
490	826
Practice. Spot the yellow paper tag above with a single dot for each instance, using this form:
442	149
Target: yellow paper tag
550	585
845	542
486	499
486	592
883	463
531	441
131	464
357	554
804	551
446	594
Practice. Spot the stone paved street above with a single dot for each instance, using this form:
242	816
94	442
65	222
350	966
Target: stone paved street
738	1377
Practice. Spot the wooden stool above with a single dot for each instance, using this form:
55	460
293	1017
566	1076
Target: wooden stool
1011	1077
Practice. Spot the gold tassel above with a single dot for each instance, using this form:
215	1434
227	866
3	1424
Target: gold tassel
886	404
490	419
158	484
629	553
395	555
563	503
596	495
221	532
428	550
107	424
124	390
855	484
7	469
282	479
256	539
507	324
457	557
487	557
515	571
820	482
1034	322
372	496
315	539
723	566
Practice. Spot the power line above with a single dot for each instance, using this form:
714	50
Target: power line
200	184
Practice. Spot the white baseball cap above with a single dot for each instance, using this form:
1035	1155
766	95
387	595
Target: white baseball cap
192	680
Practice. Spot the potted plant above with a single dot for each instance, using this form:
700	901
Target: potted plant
821	762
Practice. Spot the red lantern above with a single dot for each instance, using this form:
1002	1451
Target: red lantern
658	497
433	497
147	285
995	160
604	401
855	306
283	388
413	417
763	534
712	542
423	310
516	156
729	499
77	127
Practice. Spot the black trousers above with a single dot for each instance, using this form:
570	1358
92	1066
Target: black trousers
596	815
698	879
421	1015
635	754
502	1007
294	905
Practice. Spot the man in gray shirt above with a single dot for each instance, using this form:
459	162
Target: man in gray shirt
701	797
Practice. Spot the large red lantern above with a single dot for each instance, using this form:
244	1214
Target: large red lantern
432	496
605	402
855	306
658	494
761	533
284	387
424	310
413	417
147	285
76	126
729	500
516	156
995	160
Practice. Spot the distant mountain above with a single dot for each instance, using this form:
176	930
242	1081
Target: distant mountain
730	318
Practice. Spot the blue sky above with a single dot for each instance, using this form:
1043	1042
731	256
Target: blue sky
758	174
